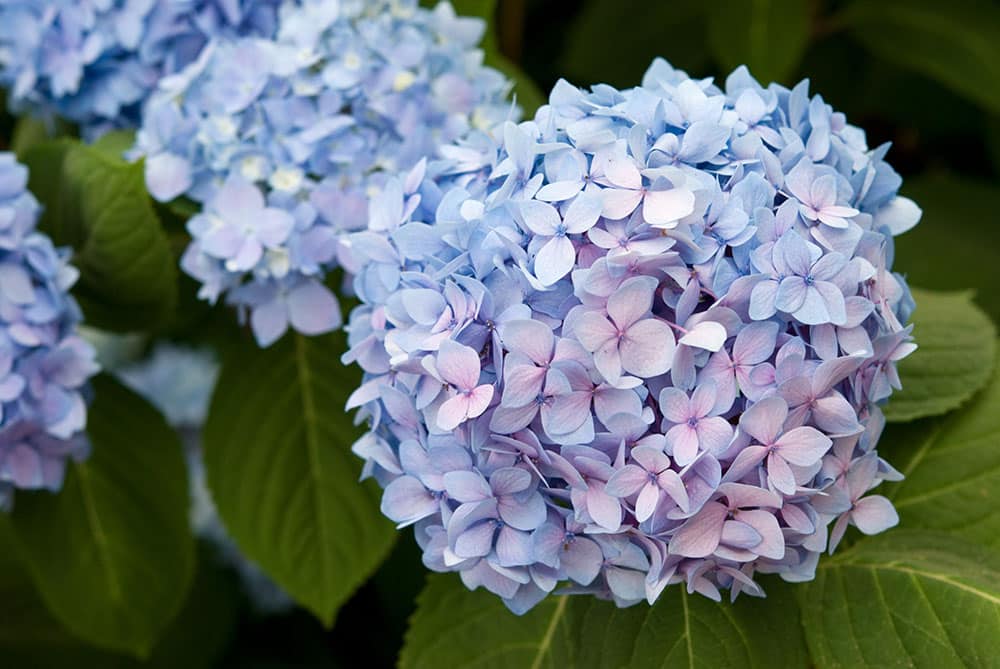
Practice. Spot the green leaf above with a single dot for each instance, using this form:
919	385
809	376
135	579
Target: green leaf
905	599
97	203
279	465
957	43
952	468
28	132
950	249
673	30
112	554
529	96
455	627
768	36
957	348
30	638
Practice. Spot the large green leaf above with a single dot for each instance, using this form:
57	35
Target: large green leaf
957	347
279	465
673	30
97	203
112	554
957	42
454	627
30	638
952	468
768	36
951	248
905	599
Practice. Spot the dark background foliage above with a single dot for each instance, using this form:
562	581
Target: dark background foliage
922	75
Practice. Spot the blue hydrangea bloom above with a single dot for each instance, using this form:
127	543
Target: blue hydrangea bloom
44	365
94	61
283	140
179	382
639	340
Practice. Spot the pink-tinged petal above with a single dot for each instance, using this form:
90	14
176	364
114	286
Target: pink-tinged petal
763	421
832	372
835	416
703	399
874	514
744	462
406	501
650	458
671	482
792	294
524	513
700	535
609	362
458	365
780	474
837	533
603	508
627	481
648	500
566	413
453	412
762	299
269	322
528	337
745	496
467	486
507	420
632	300
707	335
476	541
803	446
682	440
312	309
714	434
648	348
540	218
828	217
755	343
582	560
797	519
619	203
594	331
513	547
797	391
772	544
522	385
620	169
554	260
583	212
675	405
662	207
479	400
739	534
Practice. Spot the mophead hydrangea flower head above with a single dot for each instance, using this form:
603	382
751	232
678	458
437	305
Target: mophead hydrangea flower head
94	62
44	364
639	340
282	141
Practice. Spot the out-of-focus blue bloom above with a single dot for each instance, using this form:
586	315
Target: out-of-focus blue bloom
179	382
44	364
309	124
669	308
95	61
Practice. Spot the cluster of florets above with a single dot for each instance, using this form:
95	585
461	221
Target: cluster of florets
282	141
44	365
95	61
639	340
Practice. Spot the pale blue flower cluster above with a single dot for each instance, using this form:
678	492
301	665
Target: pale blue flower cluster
95	61
44	365
639	340
282	141
179	381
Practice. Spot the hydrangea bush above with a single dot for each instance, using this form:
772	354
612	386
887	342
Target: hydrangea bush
44	365
282	141
641	339
95	62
